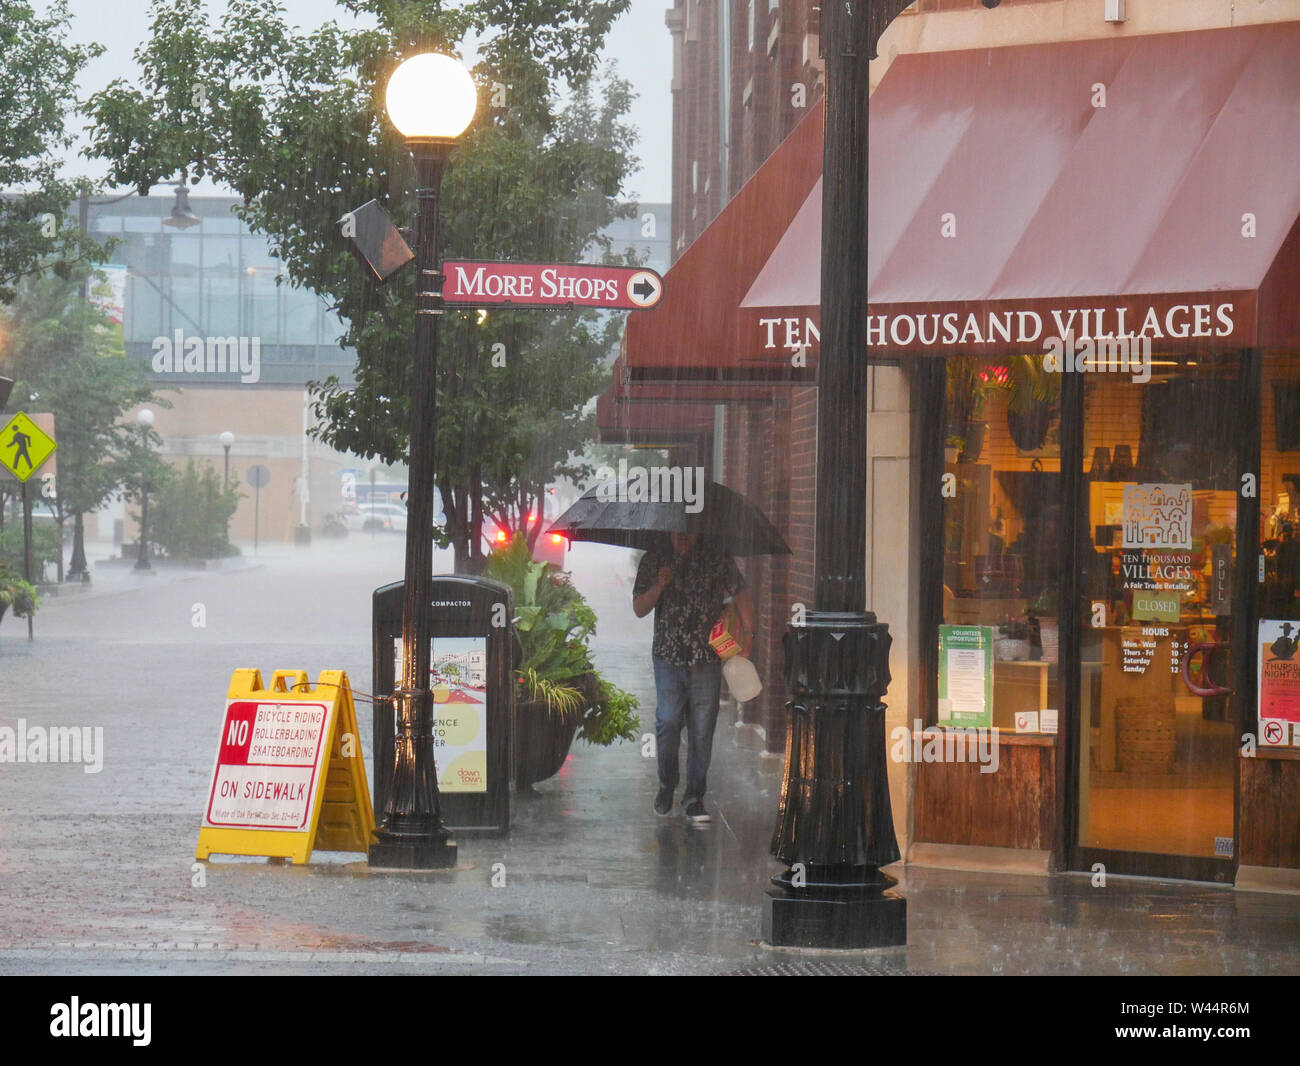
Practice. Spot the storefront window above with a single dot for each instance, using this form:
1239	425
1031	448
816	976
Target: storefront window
1161	462
1002	534
1278	634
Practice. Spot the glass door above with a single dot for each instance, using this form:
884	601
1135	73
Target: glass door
1159	500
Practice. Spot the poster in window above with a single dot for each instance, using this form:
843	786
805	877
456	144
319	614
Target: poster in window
1279	682
966	676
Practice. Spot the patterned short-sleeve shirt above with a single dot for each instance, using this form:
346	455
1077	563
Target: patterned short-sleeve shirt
702	579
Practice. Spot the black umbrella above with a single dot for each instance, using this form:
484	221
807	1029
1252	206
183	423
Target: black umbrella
618	513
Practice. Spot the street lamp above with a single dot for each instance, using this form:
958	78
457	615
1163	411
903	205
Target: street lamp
227	439
431	99
145	418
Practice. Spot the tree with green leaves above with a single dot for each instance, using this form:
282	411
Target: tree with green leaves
190	513
68	360
294	122
37	93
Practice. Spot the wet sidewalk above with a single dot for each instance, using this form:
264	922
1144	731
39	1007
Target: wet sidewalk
97	873
591	881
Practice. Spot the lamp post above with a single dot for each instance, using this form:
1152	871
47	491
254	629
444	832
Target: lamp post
835	828
145	418
227	439
431	100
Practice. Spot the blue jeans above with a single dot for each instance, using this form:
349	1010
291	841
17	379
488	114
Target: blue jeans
687	695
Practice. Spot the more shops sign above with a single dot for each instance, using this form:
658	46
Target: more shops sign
550	285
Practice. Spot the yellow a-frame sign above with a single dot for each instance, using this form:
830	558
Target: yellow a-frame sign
288	776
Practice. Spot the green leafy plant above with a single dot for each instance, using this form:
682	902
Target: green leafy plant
17	594
559	698
46	545
611	717
1047	603
190	514
555	624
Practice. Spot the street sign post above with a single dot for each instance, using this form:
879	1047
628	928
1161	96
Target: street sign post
257	476
24	447
477	283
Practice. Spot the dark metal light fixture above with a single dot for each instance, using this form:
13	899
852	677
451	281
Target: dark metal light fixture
182	217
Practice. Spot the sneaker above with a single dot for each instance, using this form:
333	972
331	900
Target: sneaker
696	813
664	802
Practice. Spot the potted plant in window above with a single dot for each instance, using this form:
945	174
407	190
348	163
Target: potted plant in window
1031	409
560	694
969	386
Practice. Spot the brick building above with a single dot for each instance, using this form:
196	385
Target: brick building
1127	187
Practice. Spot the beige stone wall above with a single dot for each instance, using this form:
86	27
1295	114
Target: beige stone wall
889	533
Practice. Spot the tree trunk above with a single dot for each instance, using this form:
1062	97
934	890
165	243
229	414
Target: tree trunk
78	563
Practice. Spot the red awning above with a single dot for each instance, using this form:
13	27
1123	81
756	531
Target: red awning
692	335
1140	185
661	424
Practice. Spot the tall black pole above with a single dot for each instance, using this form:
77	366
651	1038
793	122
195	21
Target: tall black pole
27	547
142	555
835	828
412	834
77	568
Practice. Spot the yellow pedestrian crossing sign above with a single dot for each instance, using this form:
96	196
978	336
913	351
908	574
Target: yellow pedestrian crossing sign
24	446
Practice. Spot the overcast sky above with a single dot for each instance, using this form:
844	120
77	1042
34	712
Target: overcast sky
639	42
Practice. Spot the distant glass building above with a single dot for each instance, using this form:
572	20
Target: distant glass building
220	279
215	279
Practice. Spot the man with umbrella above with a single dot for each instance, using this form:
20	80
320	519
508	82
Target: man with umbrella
685	576
685	579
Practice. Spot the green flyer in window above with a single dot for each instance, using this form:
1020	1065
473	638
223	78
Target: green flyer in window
966	676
